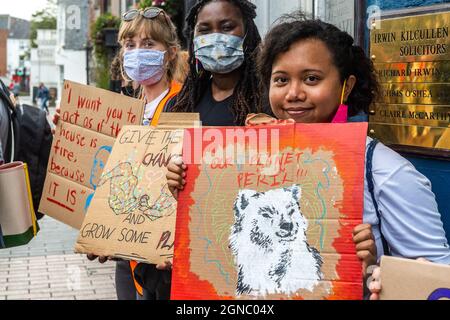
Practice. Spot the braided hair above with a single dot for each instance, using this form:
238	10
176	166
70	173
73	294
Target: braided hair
246	97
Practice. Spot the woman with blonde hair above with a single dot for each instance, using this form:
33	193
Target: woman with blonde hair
151	58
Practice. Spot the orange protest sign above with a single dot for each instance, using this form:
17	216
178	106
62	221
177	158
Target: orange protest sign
268	213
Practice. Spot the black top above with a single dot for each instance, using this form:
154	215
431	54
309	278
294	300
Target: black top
215	113
212	113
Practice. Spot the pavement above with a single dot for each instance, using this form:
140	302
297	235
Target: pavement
48	269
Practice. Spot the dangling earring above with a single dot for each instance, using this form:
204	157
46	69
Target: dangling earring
341	115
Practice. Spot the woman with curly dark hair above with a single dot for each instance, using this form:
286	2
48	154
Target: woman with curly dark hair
223	42
312	72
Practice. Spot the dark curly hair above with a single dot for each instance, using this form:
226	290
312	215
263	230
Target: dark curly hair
246	96
347	57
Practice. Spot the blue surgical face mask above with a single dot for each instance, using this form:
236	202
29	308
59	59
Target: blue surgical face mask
144	66
219	52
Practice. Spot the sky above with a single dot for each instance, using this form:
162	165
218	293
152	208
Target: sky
21	8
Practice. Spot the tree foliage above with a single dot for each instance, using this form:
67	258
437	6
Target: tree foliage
106	20
172	7
43	19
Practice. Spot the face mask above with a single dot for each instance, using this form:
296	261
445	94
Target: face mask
144	66
341	115
219	53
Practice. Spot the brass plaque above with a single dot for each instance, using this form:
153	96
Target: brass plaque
423	136
418	115
411	39
435	72
411	55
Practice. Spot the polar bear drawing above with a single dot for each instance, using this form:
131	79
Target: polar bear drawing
268	240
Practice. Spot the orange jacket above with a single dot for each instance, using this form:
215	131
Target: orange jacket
175	87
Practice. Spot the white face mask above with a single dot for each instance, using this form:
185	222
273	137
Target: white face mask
144	66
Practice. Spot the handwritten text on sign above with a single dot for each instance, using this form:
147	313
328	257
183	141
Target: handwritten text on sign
90	120
133	213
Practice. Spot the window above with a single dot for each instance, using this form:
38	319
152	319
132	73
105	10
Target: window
126	5
130	4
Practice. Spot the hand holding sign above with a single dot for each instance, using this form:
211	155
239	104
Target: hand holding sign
366	249
176	175
375	284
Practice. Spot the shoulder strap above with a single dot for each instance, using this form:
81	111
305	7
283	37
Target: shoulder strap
4	95
370	184
170	104
12	142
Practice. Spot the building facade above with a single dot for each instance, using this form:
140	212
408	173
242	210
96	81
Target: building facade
15	47
72	53
43	61
115	7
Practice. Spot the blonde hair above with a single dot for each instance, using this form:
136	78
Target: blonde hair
182	70
160	29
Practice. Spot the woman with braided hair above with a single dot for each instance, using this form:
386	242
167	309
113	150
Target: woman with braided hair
221	86
222	82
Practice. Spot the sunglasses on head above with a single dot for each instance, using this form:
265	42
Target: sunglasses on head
148	13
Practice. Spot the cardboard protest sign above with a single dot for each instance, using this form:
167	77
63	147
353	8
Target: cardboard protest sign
90	120
268	213
406	279
177	120
133	213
